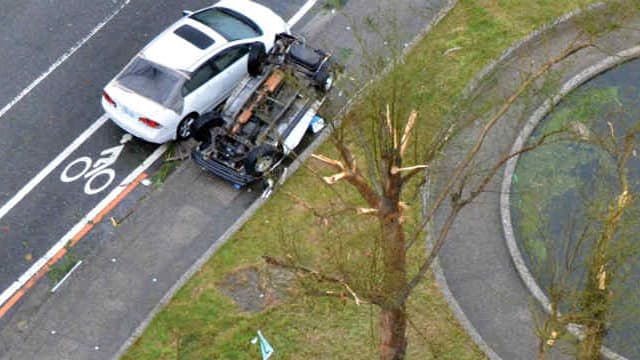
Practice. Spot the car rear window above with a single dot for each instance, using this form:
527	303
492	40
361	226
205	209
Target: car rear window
194	36
151	81
228	23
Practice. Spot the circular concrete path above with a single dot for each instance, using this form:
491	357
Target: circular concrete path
476	270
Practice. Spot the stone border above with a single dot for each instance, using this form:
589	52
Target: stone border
260	201
531	124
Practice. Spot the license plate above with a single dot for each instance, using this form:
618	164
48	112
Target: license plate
128	112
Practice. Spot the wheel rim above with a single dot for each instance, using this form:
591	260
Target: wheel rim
185	128
263	163
328	84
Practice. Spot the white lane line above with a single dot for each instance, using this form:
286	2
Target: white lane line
77	142
298	15
61	59
66	276
52	165
17	285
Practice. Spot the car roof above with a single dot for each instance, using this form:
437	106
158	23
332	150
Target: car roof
175	52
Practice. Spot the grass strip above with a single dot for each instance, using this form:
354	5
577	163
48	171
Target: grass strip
202	322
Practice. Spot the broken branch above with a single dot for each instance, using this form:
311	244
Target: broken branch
407	131
305	270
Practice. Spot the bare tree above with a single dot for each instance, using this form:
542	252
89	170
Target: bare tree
373	150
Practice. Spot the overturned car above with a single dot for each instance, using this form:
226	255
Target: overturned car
267	115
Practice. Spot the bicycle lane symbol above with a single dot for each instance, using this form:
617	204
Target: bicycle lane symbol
99	175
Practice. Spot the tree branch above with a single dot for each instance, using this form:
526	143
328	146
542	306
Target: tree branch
407	132
308	271
471	154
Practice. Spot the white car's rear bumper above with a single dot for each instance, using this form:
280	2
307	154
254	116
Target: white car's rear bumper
137	128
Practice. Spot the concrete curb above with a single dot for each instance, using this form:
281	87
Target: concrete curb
258	203
530	125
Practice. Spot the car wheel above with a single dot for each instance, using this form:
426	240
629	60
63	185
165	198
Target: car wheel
325	78
261	159
183	131
257	58
200	127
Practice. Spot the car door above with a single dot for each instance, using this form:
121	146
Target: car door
212	83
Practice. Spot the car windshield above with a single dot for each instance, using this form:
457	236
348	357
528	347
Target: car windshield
152	81
231	25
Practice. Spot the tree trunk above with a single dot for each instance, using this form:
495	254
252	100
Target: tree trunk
393	319
590	346
596	305
596	302
393	341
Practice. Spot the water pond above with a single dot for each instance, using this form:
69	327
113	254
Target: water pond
560	191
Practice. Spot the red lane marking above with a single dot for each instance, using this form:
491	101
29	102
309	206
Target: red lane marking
29	284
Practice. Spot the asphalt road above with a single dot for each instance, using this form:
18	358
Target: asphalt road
64	102
59	106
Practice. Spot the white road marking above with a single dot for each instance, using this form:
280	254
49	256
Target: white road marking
302	12
94	169
26	276
66	276
61	60
8	293
51	166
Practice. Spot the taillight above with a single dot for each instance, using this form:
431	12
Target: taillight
109	99
150	123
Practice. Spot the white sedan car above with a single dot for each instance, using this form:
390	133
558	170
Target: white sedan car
189	69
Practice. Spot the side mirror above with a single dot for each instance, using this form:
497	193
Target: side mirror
186	12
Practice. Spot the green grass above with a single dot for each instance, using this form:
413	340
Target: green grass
166	168
202	323
59	270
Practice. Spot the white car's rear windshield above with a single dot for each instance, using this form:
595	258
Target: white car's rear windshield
228	23
151	81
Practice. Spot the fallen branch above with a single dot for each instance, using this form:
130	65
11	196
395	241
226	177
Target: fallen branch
305	270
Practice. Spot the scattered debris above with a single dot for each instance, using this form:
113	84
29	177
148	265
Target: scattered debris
453	49
265	348
126	138
183	150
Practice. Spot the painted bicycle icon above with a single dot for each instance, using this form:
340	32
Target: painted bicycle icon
98	174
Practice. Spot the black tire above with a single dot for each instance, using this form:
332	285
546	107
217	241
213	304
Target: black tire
200	127
324	79
260	160
257	58
183	131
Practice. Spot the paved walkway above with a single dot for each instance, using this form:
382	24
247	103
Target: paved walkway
105	302
162	243
482	280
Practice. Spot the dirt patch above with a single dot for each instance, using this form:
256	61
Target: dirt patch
255	288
